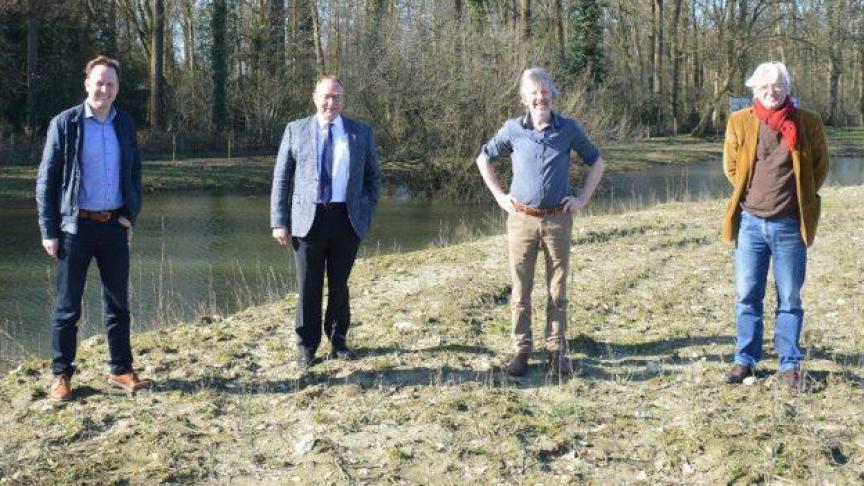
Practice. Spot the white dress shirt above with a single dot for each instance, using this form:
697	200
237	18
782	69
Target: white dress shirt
341	156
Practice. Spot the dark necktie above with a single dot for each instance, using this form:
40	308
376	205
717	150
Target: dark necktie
325	188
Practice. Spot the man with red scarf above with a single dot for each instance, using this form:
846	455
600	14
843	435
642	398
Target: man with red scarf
776	158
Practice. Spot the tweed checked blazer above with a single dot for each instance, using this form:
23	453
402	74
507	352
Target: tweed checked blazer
295	177
809	163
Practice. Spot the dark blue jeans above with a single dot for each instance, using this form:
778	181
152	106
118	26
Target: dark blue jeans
108	243
775	241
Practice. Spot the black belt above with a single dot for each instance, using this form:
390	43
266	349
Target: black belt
331	206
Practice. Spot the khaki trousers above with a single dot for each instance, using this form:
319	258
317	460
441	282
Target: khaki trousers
526	235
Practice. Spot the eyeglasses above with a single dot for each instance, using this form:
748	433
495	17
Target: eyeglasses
770	87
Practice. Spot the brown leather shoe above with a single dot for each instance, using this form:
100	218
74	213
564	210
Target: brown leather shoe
560	363
128	382
738	374
518	366
61	388
793	378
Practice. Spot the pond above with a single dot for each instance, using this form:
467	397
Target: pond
202	253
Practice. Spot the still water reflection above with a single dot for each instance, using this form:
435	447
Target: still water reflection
205	253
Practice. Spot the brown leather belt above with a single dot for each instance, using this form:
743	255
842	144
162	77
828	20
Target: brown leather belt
101	216
537	212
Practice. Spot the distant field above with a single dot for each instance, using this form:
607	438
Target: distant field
652	335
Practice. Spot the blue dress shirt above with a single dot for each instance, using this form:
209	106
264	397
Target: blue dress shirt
100	164
541	158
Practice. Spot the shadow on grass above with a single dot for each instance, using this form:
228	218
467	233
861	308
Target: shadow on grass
602	361
367	352
599	364
537	376
591	347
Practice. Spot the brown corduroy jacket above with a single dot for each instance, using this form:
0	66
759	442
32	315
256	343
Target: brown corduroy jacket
809	162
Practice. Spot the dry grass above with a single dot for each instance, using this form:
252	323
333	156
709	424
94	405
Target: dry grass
652	334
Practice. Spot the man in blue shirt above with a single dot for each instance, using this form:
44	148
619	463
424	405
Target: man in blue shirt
540	205
88	192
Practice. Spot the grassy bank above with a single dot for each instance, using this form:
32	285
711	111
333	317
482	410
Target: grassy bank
683	149
450	177
247	175
652	335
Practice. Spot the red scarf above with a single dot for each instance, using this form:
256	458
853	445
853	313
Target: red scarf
781	119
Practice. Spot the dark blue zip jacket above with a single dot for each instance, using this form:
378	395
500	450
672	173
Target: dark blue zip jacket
59	178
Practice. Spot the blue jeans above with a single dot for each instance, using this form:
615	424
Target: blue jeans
108	244
761	241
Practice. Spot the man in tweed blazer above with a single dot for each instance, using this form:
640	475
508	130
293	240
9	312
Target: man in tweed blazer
325	191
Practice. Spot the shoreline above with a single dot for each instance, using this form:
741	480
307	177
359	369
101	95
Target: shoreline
253	174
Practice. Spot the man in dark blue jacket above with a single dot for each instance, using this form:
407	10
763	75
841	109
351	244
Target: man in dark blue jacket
89	193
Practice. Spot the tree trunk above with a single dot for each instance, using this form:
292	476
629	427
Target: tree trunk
652	34
157	38
624	41
304	46
835	69
188	22
558	13
32	65
676	61
320	67
219	61
276	40
698	59
642	59
861	78
836	38
657	65
525	17
710	105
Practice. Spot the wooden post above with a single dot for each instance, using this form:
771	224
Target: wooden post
174	147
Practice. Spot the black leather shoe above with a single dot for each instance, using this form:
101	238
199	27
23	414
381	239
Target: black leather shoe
305	358
738	374
518	366
342	352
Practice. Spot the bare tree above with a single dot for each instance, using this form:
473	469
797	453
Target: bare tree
320	66
32	65
676	61
558	23
276	36
219	62
157	56
525	17
187	22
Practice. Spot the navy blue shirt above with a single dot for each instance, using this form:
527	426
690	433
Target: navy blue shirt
541	158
